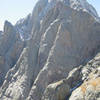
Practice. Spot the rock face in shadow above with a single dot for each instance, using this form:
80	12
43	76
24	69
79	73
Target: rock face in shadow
11	47
23	27
64	34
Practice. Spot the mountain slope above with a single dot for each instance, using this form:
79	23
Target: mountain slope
58	36
11	47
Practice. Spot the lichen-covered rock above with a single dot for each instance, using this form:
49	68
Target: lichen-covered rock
90	88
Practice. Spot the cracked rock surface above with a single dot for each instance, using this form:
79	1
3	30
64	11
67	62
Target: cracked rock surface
51	54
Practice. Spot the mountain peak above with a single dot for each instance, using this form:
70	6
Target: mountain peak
59	37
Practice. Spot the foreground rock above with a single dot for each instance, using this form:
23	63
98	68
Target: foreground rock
57	91
90	88
82	83
62	89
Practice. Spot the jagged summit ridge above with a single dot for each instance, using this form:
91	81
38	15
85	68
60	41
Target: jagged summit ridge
76	4
24	25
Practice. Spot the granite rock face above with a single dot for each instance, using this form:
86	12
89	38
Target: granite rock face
23	27
63	34
90	88
82	83
62	89
11	47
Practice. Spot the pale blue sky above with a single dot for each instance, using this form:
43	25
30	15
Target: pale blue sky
96	4
13	10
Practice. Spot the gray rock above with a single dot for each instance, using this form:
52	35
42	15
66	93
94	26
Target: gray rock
72	46
61	90
90	88
62	38
23	27
11	47
57	91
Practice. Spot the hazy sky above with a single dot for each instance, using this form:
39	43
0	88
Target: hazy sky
13	10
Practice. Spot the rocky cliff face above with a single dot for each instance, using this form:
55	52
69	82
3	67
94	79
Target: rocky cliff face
82	83
11	47
38	53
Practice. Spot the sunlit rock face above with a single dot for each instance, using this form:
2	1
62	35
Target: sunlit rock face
90	88
82	83
44	47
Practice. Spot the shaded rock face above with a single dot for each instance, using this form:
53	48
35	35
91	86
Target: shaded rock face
11	47
63	36
1	32
23	27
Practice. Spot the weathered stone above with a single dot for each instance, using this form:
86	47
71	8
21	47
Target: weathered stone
57	91
71	47
11	47
62	37
90	88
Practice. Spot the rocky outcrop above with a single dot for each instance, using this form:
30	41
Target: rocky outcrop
23	27
64	34
11	47
71	47
82	83
90	88
57	91
61	90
